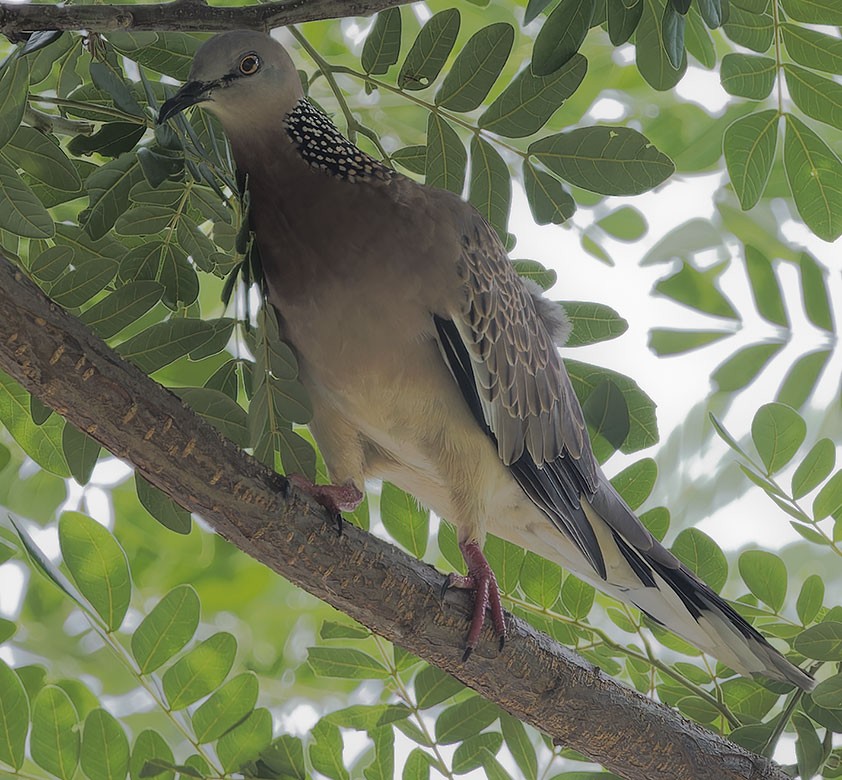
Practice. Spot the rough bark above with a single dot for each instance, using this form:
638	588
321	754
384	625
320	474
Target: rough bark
182	15
61	362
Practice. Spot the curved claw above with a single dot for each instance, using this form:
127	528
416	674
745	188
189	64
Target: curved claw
334	498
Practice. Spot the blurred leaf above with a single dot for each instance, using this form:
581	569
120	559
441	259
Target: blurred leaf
382	45
105	748
21	213
698	290
625	224
430	50
246	740
608	160
54	742
446	157
168	627
490	189
527	104
199	672
810	599
743	367
765	575
765	288
777	431
161	506
749	145
477	67
345	662
405	520
801	379
14	717
814	469
561	35
98	565
813	172
463	720
592	323
664	342
701	554
814	292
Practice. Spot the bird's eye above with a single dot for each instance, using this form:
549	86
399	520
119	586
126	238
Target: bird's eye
249	64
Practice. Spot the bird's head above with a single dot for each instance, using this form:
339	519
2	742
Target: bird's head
240	76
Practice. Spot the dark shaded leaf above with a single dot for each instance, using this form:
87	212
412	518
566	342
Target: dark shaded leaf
430	50
561	35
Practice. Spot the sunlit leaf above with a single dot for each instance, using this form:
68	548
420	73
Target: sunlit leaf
765	575
199	672
14	717
406	521
105	748
166	629
777	431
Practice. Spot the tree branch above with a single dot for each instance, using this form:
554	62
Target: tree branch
181	15
61	362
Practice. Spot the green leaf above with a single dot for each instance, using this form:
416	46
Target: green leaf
326	750
108	189
430	50
698	40
592	323
577	598
651	56
540	580
285	757
81	452
765	288
417	765
168	627
808	748
752	30
108	79
43	159
548	201
527	104
225	414
748	699
162	343
810	598
345	662
490	189
161	506
82	283
673	24
777	431
814	174
446	156
814	11
625	224
816	96
150	750
143	220
636	482
465	719
54	742
21	212
41	442
622	20
829	500
365	717
828	693
506	560
433	686
518	742
405	520
50	264
14	717
814	469
657	521
608	160
14	86
245	741
743	367
814	292
561	35
413	158
765	575
199	672
534	9
801	379
383	765
105	748
170	53
98	565
812	48
664	342
822	642
471	754
121	308
111	140
701	554
747	75
382	45
476	68
750	145
698	290
532	269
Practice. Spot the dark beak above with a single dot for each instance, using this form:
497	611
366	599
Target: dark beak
191	93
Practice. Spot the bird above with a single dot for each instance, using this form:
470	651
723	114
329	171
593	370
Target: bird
431	363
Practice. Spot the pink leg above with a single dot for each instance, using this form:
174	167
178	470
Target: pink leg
335	498
481	580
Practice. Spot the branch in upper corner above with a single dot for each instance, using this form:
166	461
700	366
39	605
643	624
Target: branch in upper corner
181	15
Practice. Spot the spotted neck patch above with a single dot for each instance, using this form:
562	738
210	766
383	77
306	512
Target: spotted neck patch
324	148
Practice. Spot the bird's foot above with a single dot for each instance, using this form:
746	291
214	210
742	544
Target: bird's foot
481	580
335	498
